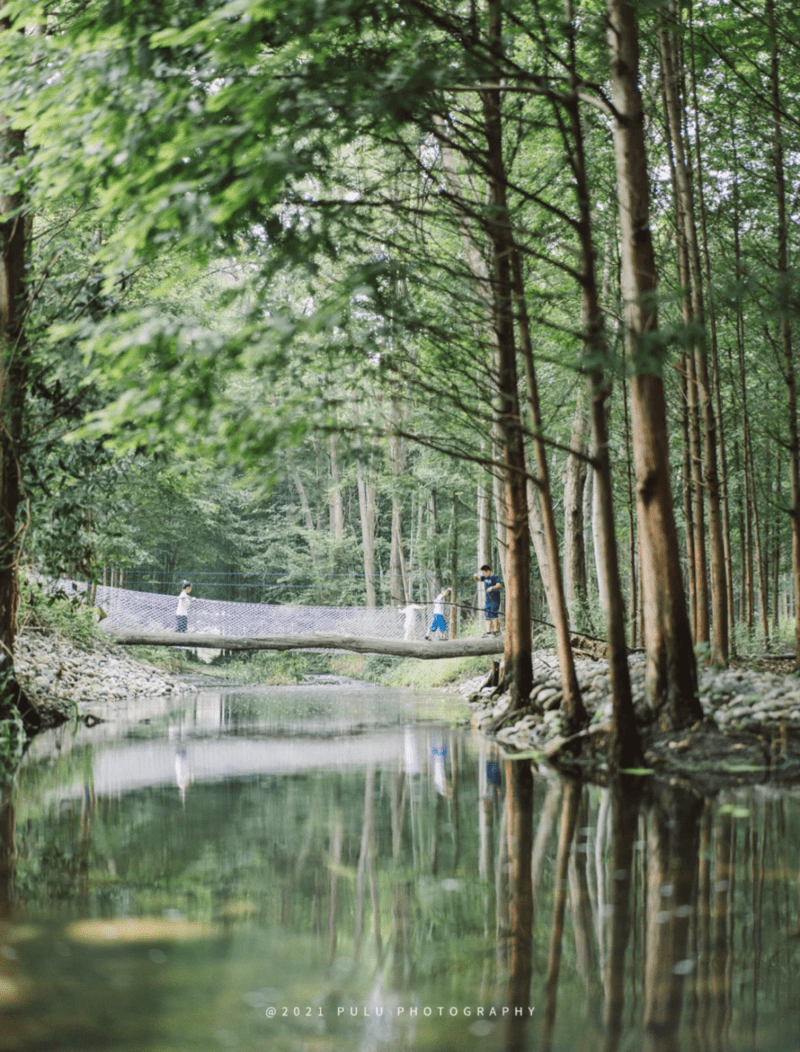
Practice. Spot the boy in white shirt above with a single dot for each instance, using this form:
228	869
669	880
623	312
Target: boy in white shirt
438	624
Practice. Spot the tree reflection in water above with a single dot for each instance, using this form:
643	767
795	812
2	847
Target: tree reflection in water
648	880
441	874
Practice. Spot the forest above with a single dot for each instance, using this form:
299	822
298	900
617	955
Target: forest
333	302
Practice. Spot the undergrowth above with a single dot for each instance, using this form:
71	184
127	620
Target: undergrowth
59	612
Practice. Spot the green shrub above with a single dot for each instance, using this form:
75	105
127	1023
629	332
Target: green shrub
68	615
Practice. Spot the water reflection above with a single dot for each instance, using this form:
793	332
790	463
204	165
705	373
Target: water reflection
380	881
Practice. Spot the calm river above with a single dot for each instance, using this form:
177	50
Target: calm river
338	868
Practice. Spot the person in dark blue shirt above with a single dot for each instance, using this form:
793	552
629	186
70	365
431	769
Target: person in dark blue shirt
492	588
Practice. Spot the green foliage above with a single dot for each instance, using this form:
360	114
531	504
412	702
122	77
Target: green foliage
267	669
243	225
42	609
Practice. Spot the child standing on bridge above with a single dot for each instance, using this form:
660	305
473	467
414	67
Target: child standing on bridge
182	609
492	586
438	624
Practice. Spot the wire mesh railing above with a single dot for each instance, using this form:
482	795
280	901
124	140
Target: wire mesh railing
128	610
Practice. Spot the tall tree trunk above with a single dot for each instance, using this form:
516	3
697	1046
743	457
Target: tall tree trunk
633	547
335	503
671	669
480	274
484	552
573	713
398	586
686	490
575	587
308	518
14	231
625	750
453	619
715	370
685	207
760	560
518	652
784	293
366	485
434	539
366	506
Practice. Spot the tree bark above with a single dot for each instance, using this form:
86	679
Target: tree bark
453	619
14	233
625	749
398	587
335	504
715	371
575	470
518	651
428	651
366	485
784	293
671	684
685	207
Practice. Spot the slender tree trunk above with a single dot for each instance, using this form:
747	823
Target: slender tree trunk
518	641
686	490
573	713
398	590
784	293
366	505
625	750
335	503
685	208
434	537
14	231
715	369
366	485
671	668
575	587
453	619
633	547
484	552
760	560
480	273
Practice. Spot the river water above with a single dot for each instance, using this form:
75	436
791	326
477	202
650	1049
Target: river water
326	868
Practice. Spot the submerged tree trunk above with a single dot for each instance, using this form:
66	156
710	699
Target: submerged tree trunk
671	669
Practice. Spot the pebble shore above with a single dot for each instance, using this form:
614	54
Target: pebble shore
735	699
58	675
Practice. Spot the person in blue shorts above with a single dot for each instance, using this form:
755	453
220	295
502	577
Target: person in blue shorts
438	624
492	587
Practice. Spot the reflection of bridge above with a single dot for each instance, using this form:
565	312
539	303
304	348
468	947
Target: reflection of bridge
148	618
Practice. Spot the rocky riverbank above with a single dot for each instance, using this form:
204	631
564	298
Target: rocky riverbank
750	731
57	675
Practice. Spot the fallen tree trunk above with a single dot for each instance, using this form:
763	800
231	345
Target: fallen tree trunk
316	641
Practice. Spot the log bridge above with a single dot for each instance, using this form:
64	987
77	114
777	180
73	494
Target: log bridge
407	648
